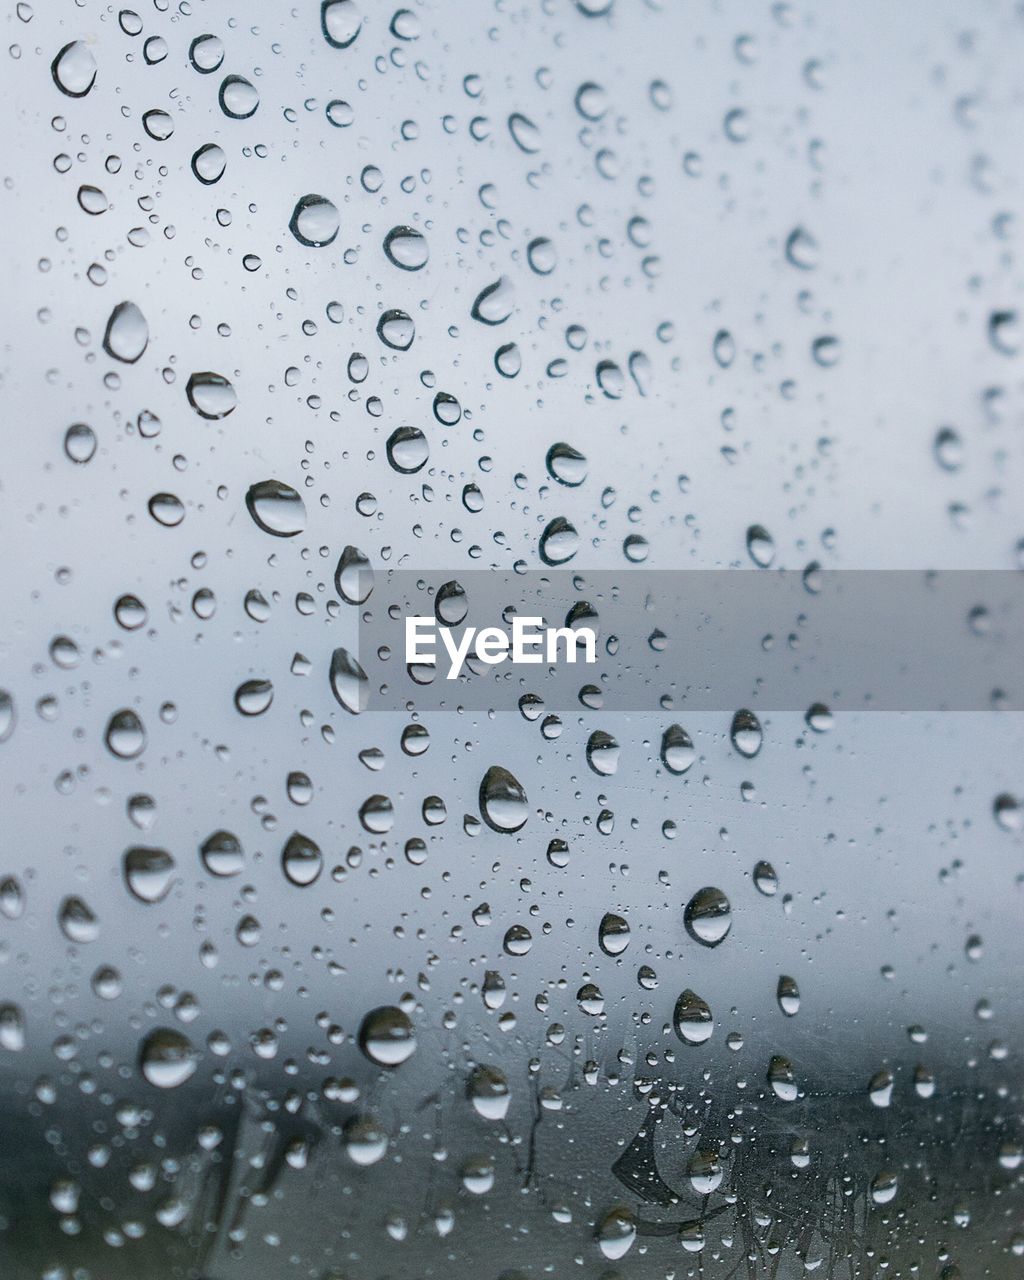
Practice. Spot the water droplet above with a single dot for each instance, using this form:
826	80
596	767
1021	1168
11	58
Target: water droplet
802	249
341	22
167	1058
238	98
211	395
617	1229
705	1172
819	718
77	921
746	733
541	255
494	304
301	860
708	916
92	200
314	221
884	1186
166	509
1008	812
826	351
12	1028
253	697
276	508
610	379
788	995
353	577
396	330
222	854
365	1140
503	803
760	546
125	736
488	1091
613	934
349	682
406	248
880	1088
723	348
74	69
1003	332
692	1019
127	333
782	1079
559	542
525	133
79	442
566	465
148	873
206	53
12	897
377	814
158	124
387	1037
451	604
130	612
209	163
602	753
407	450
677	750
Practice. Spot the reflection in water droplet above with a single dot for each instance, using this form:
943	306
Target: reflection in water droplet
301	860
692	1020
677	749
148	873
884	1186
617	1229
387	1037
167	1058
705	1172
314	221
559	542
407	450
746	733
222	854
365	1140
341	22
602	753
541	255
158	124
77	921
206	53
166	509
211	395
494	304
276	508
566	465
788	996
765	879
708	916
127	333
760	546
782	1079
488	1091
613	934
377	814
79	442
353	577
801	249
209	163
238	98
503	803
406	248
349	683
125	735
74	69
396	330
12	1028
253	697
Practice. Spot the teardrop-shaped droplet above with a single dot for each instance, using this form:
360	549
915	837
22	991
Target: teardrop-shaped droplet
407	450
802	249
77	921
880	1088
12	1028
746	733
788	995
158	124
692	1020
705	1171
406	248
387	1037
353	577
525	133
488	1091
314	221
209	163
760	546
493	305
559	542
276	508
677	750
377	814
222	854
206	53
341	22
396	330
8	715
566	465
301	860
766	880
884	1186
211	395
708	916
167	1058
503	803
782	1079
616	1232
349	682
238	98
253	697
602	753
127	333
451	604
125	736
613	934
74	69
148	873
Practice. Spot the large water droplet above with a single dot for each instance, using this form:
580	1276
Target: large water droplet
253	697
760	545
148	873
341	22
566	465
12	1028
314	221
77	921
222	854
488	1091
125	735
353	577
127	333
525	133
602	753
493	305
503	803
387	1036
802	249
167	1058
782	1078
74	69
677	750
559	542
705	1171
708	916
349	682
407	450
365	1140
788	996
238	98
692	1020
613	934
746	733
211	395
616	1232
206	53
301	860
277	508
406	248
396	330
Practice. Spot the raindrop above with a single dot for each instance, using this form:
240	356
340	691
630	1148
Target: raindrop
206	53
705	1172
396	330
407	450
12	1028
74	69
782	1079
494	304
708	916
387	1037
488	1091
314	221
148	873
503	803
253	697
525	133
559	542
765	879
746	733
677	750
238	98
692	1020
451	604
613	934
349	682
209	163
127	333
602	753
211	395
301	860
365	1141
788	995
222	854
801	249
341	22
77	921
617	1229
541	255
79	442
353	577
884	1186
125	736
158	124
406	248
276	508
566	465
166	509
760	546
130	612
167	1058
